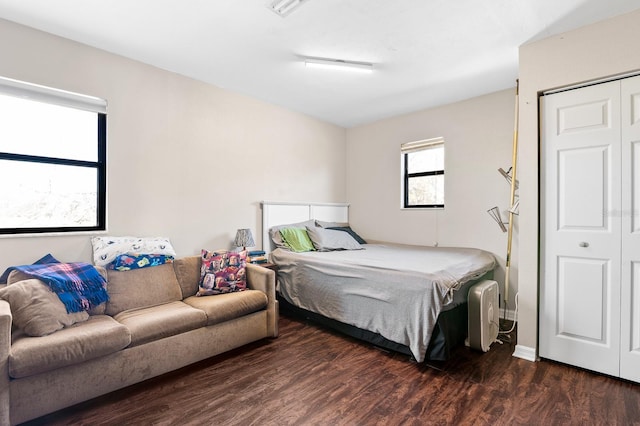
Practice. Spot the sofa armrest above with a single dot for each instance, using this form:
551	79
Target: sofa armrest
263	279
5	346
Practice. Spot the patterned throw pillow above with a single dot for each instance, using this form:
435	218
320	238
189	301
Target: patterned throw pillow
127	262
222	272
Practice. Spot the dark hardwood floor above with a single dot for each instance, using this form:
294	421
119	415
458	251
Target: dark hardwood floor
311	376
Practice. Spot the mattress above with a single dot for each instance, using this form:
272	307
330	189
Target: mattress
394	290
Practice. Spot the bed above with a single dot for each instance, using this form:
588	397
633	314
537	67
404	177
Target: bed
409	299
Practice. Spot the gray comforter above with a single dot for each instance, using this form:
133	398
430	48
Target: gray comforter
395	290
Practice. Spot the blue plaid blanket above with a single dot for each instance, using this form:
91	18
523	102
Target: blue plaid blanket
79	285
48	258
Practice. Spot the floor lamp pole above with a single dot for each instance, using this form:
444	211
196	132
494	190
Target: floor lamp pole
514	162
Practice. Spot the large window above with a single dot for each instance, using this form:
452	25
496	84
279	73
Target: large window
52	160
423	177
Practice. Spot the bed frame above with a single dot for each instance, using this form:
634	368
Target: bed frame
280	213
451	327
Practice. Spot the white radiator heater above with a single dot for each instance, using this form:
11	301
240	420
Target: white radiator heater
484	318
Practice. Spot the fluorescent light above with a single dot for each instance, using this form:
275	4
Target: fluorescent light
285	7
338	64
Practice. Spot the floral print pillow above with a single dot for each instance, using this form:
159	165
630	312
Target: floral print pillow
222	272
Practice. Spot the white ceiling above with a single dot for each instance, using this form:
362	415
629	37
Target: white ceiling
426	52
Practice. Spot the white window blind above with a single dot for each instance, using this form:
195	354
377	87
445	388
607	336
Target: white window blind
420	145
50	95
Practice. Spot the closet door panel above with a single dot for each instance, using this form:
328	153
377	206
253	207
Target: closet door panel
630	291
582	188
587	281
580	233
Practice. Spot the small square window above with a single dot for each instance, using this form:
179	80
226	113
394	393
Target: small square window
423	176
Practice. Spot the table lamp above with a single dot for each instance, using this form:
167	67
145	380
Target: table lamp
244	239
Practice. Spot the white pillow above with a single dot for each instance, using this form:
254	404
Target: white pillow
330	239
106	249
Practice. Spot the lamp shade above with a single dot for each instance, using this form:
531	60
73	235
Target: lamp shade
244	238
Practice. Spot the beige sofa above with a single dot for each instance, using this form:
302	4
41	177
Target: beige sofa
152	324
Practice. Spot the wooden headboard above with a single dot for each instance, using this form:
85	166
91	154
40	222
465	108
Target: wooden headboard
281	213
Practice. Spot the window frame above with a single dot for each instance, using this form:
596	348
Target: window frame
62	98
413	147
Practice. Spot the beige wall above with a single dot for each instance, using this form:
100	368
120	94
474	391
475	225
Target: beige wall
603	49
478	139
186	160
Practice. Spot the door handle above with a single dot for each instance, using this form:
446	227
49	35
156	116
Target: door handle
584	244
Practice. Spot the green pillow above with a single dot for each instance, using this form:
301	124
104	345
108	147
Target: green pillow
297	239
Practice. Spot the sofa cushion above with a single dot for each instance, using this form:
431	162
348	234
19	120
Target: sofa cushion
156	322
188	273
37	310
16	276
141	288
98	336
228	306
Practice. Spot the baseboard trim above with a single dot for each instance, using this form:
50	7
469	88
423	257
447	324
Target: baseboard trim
525	352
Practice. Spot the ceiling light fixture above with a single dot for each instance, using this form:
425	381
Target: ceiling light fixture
285	7
338	64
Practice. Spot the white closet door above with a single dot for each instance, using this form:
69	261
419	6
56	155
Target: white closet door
630	294
581	225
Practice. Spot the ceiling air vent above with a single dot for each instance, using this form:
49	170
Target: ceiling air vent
285	7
